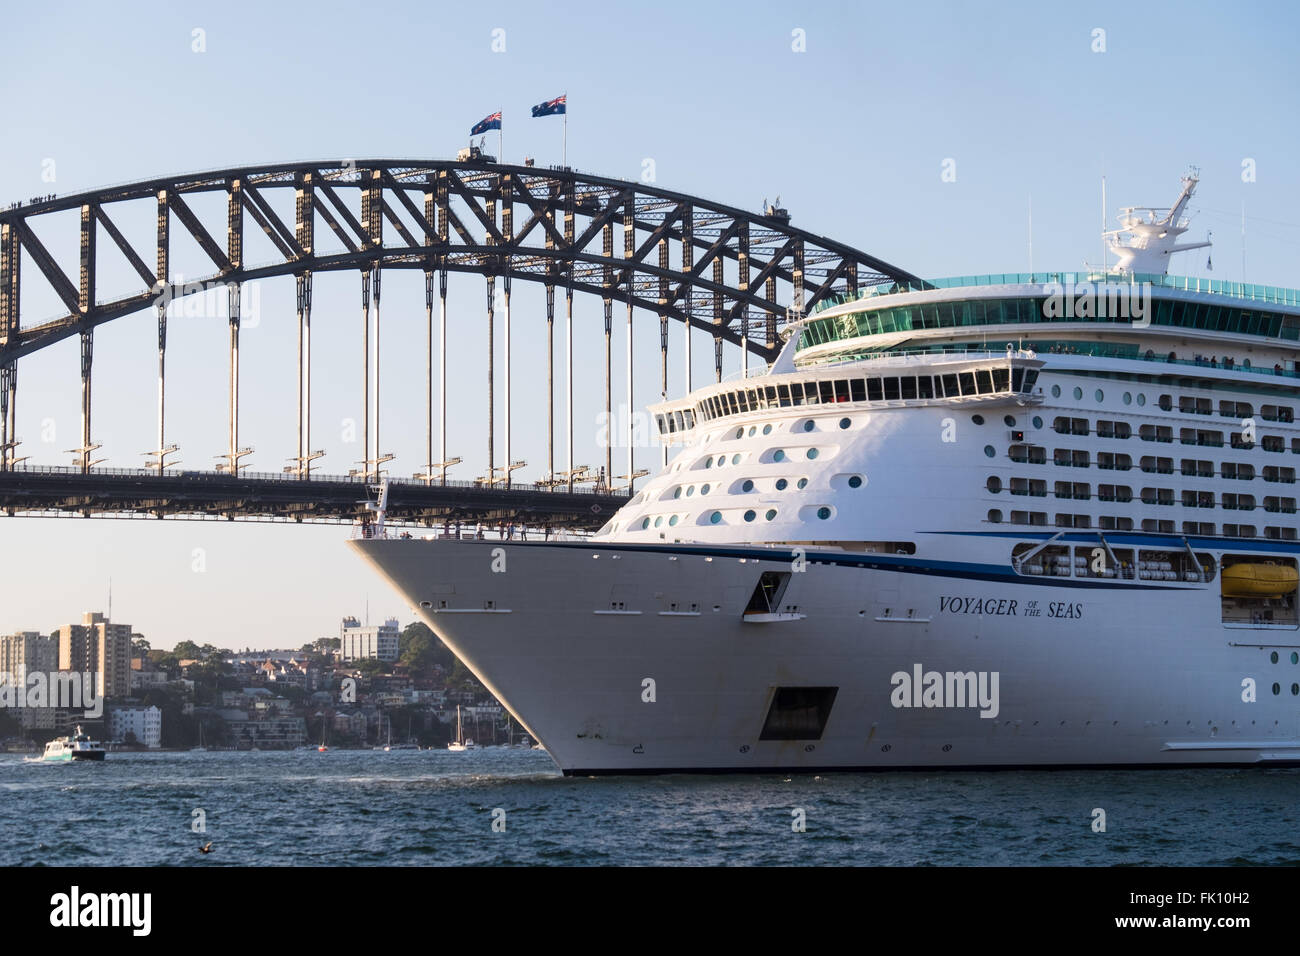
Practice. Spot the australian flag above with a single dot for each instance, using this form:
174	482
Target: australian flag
551	107
486	123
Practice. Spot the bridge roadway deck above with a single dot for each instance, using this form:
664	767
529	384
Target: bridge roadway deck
124	492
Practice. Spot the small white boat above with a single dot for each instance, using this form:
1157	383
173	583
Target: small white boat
460	744
77	747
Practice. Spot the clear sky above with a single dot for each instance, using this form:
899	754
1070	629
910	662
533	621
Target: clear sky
852	132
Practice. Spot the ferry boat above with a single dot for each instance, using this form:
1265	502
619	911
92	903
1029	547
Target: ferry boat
77	747
1022	520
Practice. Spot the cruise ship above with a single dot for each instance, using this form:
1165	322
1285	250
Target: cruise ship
1033	520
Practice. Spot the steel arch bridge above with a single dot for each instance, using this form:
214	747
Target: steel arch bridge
733	274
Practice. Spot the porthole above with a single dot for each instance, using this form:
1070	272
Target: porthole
1078	393
704	489
677	492
1038	421
1273	657
1277	689
735	459
989	451
977	419
1128	398
1009	420
645	523
995	516
1142	399
1056	391
812	452
1099	395
808	425
752	429
672	520
823	512
767	429
740	432
708	462
771	513
659	521
747	486
845	423
1295	690
750	515
715	517
781	484
855	481
778	455
1295	658
801	483
690	491
994	484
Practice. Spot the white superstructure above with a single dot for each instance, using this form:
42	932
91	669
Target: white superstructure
1014	520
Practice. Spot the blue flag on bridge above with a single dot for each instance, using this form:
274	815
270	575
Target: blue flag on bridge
486	123
553	107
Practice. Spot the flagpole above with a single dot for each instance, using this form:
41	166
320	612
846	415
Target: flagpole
501	150
564	148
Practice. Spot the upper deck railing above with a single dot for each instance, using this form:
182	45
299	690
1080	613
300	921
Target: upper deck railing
1246	291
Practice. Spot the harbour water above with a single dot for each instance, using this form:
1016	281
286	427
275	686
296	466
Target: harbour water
354	808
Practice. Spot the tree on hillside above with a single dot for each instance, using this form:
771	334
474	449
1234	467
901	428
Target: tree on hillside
420	649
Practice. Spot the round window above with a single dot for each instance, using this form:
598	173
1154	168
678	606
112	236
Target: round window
1056	391
673	519
1009	420
750	515
1038	422
735	459
740	432
855	481
1273	658
994	484
802	483
704	489
645	523
767	429
770	514
690	491
1099	395
1277	689
747	486
1295	658
752	429
781	484
1142	399
1078	392
677	492
715	517
977	419
823	513
1128	398
989	451
845	423
812	452
659	521
778	455
708	462
808	425
1295	690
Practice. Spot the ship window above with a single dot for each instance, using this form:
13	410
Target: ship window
771	513
925	387
704	489
857	390
715	517
1142	399
909	387
740	433
874	389
989	451
747	486
845	423
750	515
950	386
767	429
1017	378
801	483
783	391
677	492
967	380
1009	421
645	523
798	713
808	425
891	389
1000	379
995	516
673	519
985	381
823	513
812	452
778	455
977	419
780	484
826	392
1056	391
855	481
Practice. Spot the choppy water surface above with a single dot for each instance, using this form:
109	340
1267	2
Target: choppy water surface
435	807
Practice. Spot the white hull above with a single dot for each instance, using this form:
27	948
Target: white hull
1136	675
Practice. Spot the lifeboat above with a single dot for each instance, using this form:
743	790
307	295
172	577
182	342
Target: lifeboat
1259	580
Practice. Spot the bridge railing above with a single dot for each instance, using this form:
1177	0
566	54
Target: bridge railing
282	478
